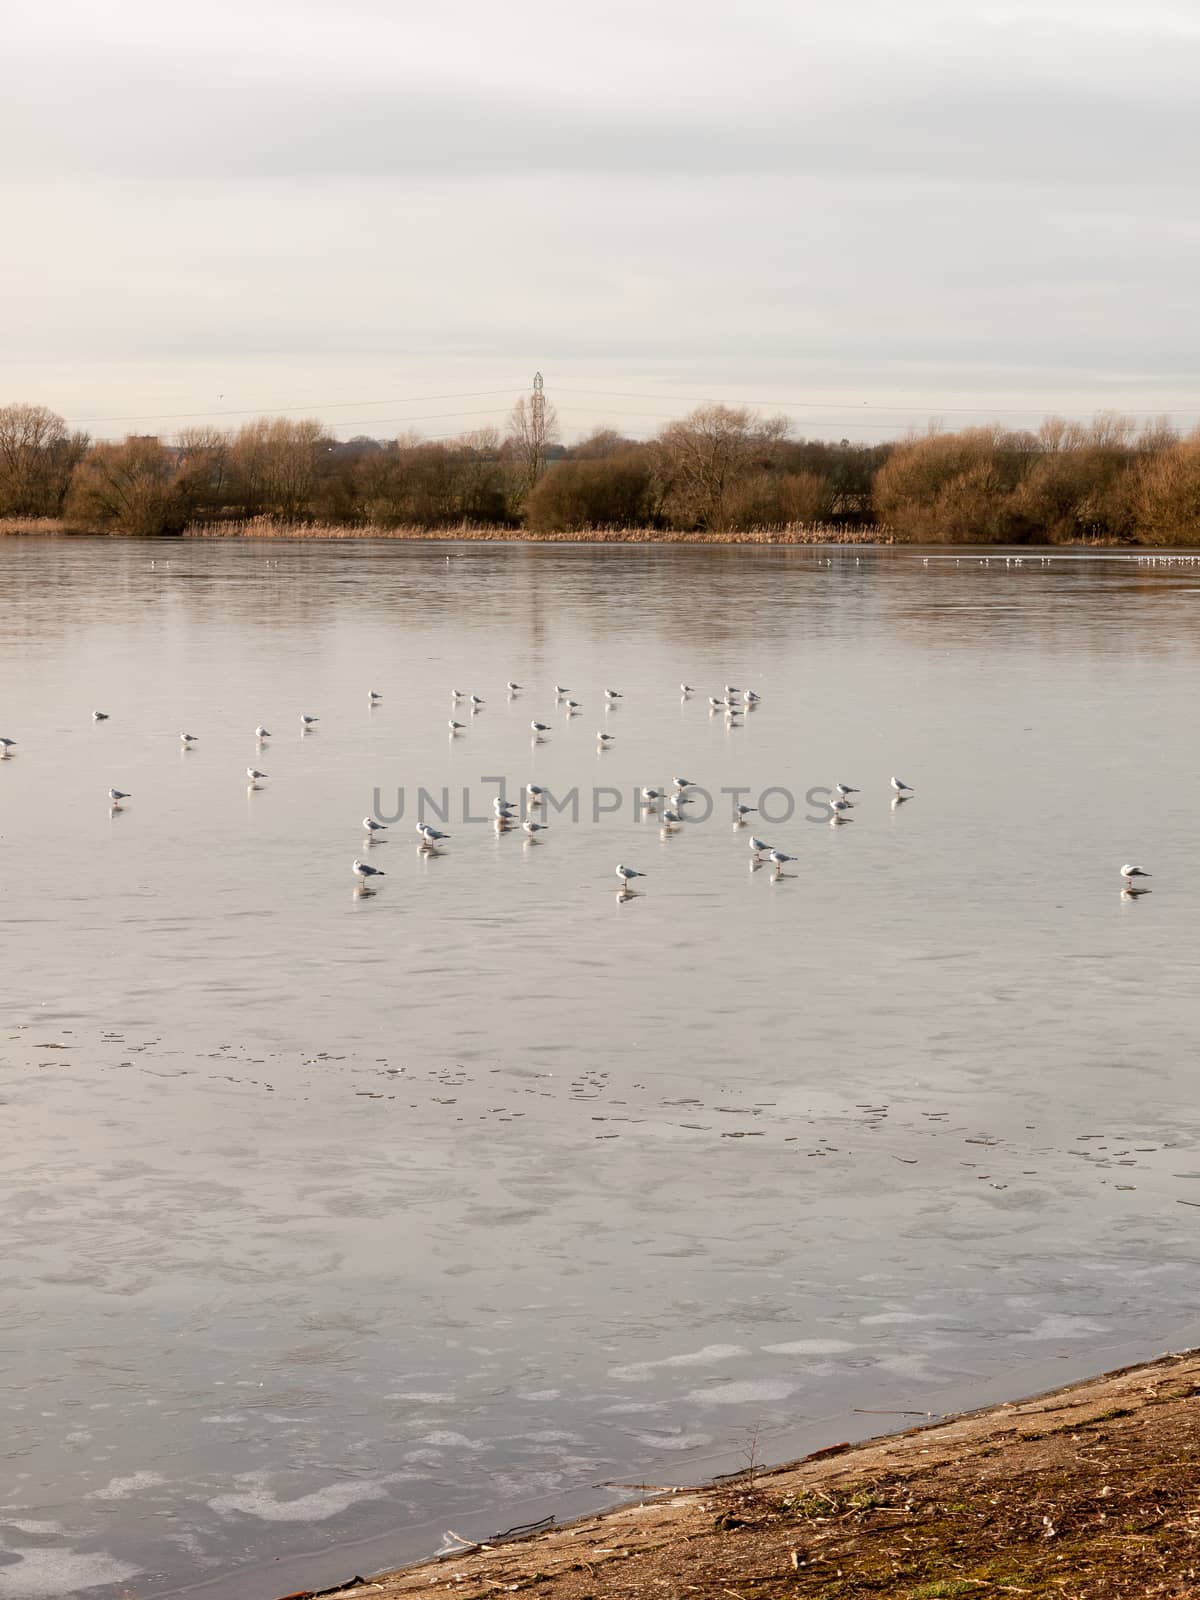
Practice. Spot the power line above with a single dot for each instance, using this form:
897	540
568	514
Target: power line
327	405
869	405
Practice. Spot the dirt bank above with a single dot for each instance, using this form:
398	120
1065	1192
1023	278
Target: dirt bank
1088	1493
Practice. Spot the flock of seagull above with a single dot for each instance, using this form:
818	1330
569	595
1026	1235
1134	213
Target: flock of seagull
734	703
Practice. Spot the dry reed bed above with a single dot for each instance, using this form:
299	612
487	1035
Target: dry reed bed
270	528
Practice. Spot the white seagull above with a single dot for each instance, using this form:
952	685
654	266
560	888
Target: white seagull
717	705
513	688
670	818
430	834
780	858
502	808
477	700
731	689
99	716
540	728
839	807
535	793
254	774
6	745
363	872
307	721
751	698
572	707
456	727
117	795
846	789
560	690
613	694
757	846
605	738
374	695
652	795
742	812
683	783
901	787
532	827
1129	873
686	689
457	694
261	733
626	874
187	738
372	826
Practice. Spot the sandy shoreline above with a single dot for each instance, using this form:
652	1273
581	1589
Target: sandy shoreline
1092	1490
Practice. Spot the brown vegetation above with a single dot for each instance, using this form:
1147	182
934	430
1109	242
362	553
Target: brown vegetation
1089	1493
721	473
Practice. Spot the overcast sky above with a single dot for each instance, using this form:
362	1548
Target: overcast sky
866	214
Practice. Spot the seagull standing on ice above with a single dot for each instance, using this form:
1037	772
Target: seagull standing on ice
254	775
513	688
535	793
116	796
456	727
373	695
845	790
372	826
742	812
364	873
626	874
561	690
539	728
751	698
1130	873
306	722
533	828
779	859
613	694
477	700
686	689
840	807
99	716
899	785
758	847
5	746
187	738
572	707
261	733
605	739
431	835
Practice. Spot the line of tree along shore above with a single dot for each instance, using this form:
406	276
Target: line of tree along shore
719	471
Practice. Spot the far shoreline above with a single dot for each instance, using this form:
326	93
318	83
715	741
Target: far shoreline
812	536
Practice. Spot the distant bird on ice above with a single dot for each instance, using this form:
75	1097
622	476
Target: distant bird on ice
261	733
899	785
844	790
117	795
187	738
742	812
477	700
364	873
372	826
532	828
5	746
686	689
605	739
540	728
99	716
254	774
535	793
456	727
430	834
758	847
306	722
613	694
626	874
1130	873
780	858
374	695
513	688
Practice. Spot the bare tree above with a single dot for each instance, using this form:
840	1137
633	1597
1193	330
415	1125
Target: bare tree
127	488
273	463
37	457
530	430
701	461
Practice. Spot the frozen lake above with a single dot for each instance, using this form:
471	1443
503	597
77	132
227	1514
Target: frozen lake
334	1221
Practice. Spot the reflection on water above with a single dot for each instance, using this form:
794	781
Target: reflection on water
335	1218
